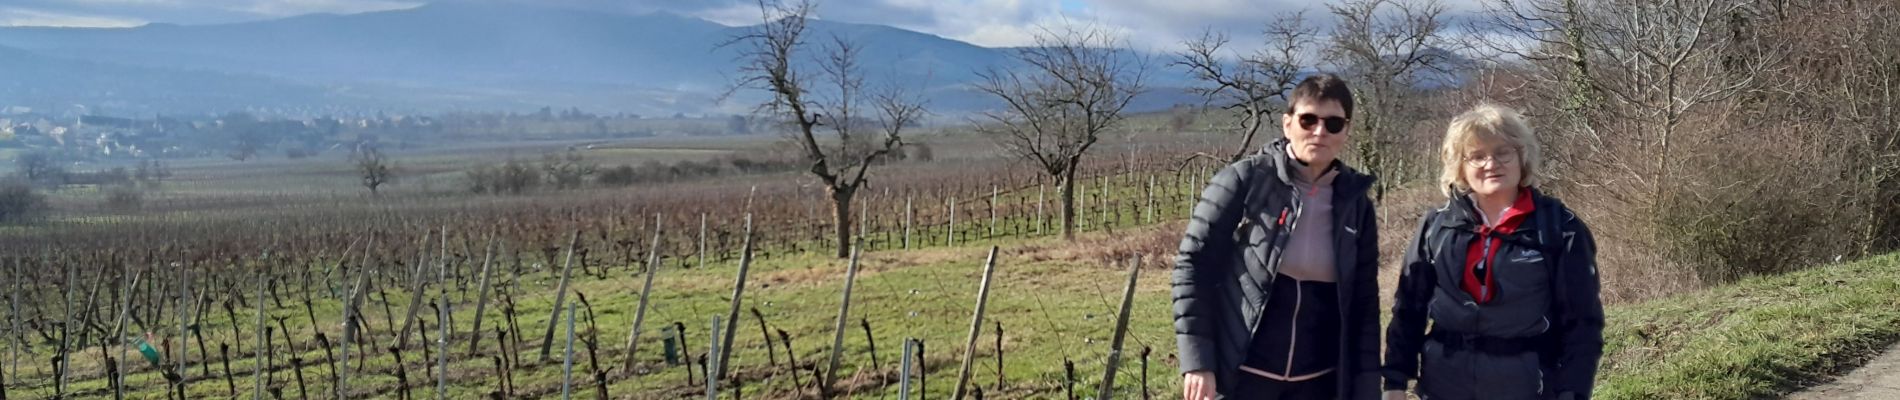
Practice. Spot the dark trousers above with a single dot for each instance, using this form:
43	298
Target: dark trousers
1255	387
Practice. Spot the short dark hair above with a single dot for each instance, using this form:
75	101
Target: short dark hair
1321	87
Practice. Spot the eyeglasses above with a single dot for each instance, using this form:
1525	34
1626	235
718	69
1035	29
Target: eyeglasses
1334	125
1500	158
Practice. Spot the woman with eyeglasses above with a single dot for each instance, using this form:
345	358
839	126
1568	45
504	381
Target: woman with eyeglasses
1276	286
1504	276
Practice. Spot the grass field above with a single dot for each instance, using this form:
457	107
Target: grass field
1051	309
1758	338
1055	302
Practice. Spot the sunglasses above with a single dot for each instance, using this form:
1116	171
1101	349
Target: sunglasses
1334	125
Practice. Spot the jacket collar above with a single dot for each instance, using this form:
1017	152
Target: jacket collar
1460	211
1347	182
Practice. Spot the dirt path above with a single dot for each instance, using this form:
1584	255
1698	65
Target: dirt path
1879	379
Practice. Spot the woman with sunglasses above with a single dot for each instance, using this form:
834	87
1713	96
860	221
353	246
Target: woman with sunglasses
1275	286
1504	276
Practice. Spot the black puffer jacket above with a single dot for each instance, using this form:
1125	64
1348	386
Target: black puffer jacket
1547	308
1221	286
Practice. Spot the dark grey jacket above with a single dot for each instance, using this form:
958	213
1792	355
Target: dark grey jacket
1220	284
1547	301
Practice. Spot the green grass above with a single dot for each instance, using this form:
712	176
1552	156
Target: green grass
1760	337
1050	310
1756	338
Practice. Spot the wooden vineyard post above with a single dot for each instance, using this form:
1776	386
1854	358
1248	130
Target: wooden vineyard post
1039	205
837	337
702	241
184	299
1121	331
1149	203
713	355
65	337
415	293
442	343
118	334
952	228
1081	210
738	297
13	320
907	222
481	297
992	212
976	326
351	317
1101	199
263	342
567	359
560	297
646	290
903	376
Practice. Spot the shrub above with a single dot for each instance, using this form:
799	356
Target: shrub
623	175
114	176
124	198
19	203
509	177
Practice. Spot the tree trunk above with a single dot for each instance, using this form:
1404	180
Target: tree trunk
841	210
1067	181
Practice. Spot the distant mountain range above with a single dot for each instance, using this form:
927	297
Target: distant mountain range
452	56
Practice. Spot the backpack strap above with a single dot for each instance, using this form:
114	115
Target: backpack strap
1550	239
1550	216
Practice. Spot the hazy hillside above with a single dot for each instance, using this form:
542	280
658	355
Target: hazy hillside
455	56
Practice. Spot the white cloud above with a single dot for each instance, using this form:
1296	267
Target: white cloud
10	16
1147	24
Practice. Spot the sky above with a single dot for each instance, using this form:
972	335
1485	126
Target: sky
1157	25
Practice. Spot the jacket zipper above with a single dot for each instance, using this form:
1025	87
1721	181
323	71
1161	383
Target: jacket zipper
1490	269
1279	245
1292	341
1286	234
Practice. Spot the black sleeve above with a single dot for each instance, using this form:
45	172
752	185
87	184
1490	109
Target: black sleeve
1581	321
1405	336
1206	249
1365	384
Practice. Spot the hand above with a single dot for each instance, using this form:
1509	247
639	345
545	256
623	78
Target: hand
1197	385
1395	395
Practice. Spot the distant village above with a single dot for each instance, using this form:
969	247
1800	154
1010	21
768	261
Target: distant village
243	136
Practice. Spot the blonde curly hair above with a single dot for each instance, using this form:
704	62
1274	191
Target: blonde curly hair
1487	122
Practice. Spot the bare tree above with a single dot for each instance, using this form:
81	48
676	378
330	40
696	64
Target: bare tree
823	111
1545	42
1666	58
1866	39
1250	86
373	167
567	170
1072	89
38	167
1384	45
1637	68
1551	36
